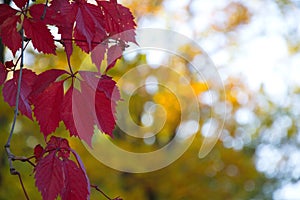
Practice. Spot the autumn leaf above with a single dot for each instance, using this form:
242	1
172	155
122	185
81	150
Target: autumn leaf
3	73
84	112
47	107
49	176
117	19
35	29
11	87
67	112
56	174
40	36
113	54
9	35
43	80
75	184
98	54
20	3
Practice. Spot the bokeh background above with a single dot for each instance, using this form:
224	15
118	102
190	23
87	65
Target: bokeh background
255	46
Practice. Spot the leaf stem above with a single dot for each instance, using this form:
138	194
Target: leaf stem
70	67
45	10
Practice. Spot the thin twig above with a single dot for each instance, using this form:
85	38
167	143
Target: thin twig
7	145
104	42
24	159
105	195
21	54
23	187
10	155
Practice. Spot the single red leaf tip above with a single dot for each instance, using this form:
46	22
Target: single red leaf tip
57	175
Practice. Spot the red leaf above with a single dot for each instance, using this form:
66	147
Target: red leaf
66	37
98	54
104	111
49	176
37	11
80	41
84	26
113	54
9	34
108	86
10	91
47	107
56	174
43	81
67	112
91	79
66	13
3	73
38	152
88	26
84	112
80	163
5	12
75	182
20	3
40	35
106	97
61	145
9	65
117	19
100	97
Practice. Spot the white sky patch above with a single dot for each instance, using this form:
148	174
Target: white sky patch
288	192
262	61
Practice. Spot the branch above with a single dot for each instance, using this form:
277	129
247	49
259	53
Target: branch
27	42
105	195
104	42
11	157
21	182
24	159
7	145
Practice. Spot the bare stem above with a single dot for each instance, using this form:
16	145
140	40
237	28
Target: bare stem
104	42
24	159
23	187
105	195
10	155
7	145
21	54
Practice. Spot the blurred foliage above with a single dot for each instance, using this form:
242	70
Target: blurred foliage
233	170
230	17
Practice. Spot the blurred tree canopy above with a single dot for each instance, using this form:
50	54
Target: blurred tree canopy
258	151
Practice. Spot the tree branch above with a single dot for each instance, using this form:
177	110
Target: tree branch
21	182
11	157
105	195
